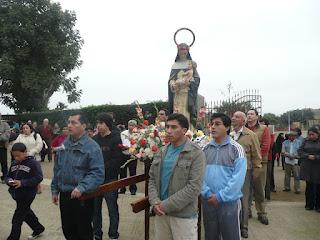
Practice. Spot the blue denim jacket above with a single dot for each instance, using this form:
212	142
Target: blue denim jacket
78	165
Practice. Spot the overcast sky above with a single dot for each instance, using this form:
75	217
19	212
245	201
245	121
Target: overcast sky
273	46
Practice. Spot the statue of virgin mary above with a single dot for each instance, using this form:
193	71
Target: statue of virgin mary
183	85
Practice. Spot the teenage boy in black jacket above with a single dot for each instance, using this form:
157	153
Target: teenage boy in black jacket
109	140
23	178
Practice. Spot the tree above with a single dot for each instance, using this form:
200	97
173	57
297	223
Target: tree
230	107
39	48
298	115
272	118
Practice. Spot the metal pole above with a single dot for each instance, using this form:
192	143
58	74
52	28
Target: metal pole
289	127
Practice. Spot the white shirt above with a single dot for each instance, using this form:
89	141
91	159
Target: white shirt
125	138
236	135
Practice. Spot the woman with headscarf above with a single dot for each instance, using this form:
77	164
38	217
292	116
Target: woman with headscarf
309	153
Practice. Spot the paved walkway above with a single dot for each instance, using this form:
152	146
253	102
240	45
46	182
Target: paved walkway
288	220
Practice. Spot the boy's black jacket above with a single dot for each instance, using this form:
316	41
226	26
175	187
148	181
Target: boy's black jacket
29	173
111	152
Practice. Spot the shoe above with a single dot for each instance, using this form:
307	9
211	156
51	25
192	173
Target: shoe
35	235
133	193
297	192
309	208
263	219
244	233
286	190
273	190
113	238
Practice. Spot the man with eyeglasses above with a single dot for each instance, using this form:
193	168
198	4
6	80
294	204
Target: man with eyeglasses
225	172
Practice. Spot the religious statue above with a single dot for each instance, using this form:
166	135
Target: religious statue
184	83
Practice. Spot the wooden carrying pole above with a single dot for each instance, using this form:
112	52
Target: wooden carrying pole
115	185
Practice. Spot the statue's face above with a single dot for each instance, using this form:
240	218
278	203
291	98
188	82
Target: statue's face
183	51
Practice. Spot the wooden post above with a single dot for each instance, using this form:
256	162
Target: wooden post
147	164
199	218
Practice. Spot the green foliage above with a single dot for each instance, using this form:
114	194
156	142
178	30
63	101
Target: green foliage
298	115
39	48
230	107
122	113
272	118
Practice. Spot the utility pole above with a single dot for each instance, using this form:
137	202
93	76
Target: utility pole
289	127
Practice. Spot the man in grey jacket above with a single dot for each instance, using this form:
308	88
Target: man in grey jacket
175	182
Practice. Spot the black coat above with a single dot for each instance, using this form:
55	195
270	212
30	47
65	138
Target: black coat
310	169
29	173
111	152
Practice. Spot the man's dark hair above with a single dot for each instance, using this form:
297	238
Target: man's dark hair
255	110
313	129
106	118
82	118
165	111
18	147
298	131
224	118
181	119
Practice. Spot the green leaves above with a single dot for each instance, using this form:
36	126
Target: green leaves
39	47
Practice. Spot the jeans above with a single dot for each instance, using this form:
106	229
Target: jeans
222	221
112	204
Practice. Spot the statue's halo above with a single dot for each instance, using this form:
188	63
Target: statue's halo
187	29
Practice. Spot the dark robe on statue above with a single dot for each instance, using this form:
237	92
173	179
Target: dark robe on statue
193	88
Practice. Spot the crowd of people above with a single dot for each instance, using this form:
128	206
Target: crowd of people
235	169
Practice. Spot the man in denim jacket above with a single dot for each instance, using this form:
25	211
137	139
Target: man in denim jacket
175	183
79	169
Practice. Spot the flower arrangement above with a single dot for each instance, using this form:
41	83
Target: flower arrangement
145	143
146	139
